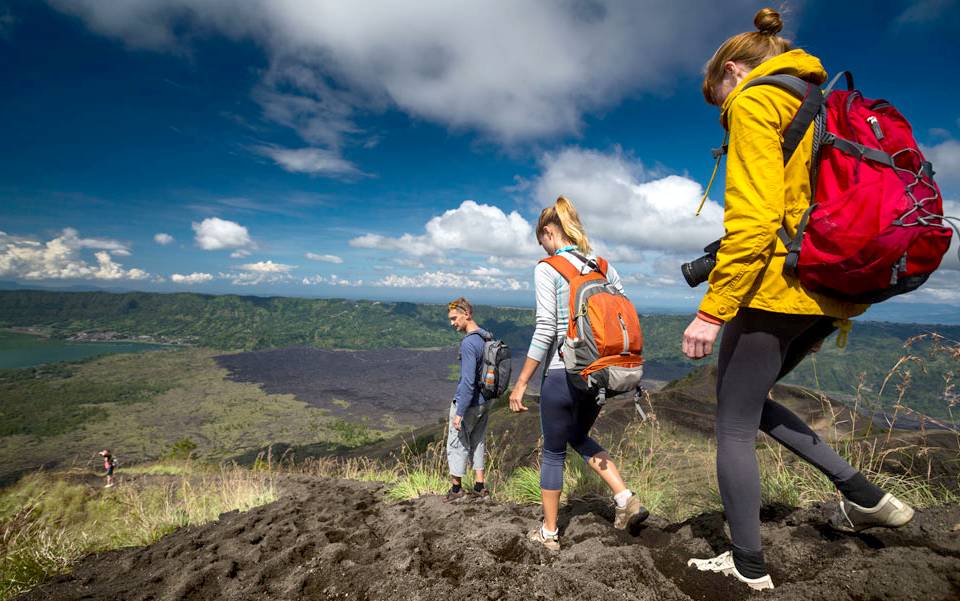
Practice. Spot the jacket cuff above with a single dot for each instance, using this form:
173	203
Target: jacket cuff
719	307
709	318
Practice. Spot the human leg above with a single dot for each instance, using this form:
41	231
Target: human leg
556	417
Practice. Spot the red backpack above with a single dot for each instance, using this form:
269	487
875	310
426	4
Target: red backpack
875	227
602	348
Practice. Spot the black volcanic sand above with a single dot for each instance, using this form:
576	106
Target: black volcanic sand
331	539
411	386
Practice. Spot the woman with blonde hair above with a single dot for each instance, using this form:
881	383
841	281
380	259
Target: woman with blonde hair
769	321
567	413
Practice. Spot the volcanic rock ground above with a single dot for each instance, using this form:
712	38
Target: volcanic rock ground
336	539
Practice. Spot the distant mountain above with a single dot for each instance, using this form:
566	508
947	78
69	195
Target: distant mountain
11	285
924	367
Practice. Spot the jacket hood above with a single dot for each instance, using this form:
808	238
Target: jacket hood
796	62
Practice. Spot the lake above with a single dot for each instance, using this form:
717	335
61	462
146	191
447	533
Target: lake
26	350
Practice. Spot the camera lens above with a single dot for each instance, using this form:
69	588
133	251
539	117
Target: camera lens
697	271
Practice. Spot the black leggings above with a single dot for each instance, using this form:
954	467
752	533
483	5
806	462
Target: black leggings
757	349
566	416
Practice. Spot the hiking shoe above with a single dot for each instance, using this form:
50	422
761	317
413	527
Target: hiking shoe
483	493
453	496
890	512
723	564
552	543
632	510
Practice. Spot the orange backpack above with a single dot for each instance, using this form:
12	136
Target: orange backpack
603	347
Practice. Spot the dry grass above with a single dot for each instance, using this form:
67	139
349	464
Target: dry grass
48	522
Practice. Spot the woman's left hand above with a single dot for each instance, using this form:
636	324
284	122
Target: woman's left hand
699	337
516	397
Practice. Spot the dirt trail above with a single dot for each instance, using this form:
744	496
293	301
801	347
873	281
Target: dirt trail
336	539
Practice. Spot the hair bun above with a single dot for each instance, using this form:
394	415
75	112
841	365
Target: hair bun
768	21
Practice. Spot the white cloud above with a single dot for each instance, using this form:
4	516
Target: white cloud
459	281
332	280
924	12
472	227
240	254
214	233
267	267
162	239
193	278
951	261
255	278
324	258
314	161
620	203
514	70
945	157
61	258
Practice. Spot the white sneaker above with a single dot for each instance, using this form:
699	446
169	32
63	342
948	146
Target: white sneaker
723	564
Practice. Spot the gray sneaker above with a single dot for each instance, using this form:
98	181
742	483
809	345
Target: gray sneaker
890	512
632	510
552	543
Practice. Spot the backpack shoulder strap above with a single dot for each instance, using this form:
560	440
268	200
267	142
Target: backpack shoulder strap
564	267
598	264
486	338
811	100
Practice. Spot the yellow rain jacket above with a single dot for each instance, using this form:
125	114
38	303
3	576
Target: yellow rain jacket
761	195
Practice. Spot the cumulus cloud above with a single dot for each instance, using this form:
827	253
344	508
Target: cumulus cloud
458	281
621	203
331	280
945	157
193	278
162	239
513	70
313	161
255	278
471	227
61	258
324	258
214	233
267	267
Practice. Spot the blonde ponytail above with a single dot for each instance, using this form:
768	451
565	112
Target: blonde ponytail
564	215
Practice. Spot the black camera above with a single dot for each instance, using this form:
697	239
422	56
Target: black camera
698	270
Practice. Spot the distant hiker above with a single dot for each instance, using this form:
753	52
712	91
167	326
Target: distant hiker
771	321
467	429
567	412
108	464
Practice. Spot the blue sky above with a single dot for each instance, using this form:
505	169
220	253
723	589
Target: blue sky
372	150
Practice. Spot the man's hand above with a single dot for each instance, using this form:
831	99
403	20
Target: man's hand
699	337
456	422
516	398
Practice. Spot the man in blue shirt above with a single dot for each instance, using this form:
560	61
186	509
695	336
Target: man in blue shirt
468	417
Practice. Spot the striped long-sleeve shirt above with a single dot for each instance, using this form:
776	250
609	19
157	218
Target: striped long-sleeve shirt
553	310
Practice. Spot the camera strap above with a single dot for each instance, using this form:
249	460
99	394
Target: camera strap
717	154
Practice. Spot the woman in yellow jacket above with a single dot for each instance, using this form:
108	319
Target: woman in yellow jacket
770	323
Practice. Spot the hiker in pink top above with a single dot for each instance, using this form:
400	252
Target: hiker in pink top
108	464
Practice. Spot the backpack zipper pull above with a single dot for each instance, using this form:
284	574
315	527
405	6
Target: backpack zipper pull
626	337
875	126
898	267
